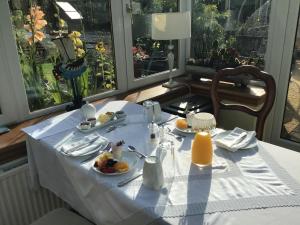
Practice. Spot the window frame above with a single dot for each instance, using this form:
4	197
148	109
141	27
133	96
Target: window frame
12	87
280	45
13	98
274	55
164	75
283	70
268	57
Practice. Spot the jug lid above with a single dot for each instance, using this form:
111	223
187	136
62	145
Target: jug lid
147	103
152	160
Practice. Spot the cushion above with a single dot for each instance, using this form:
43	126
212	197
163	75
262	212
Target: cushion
61	216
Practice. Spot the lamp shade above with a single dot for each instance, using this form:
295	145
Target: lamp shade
171	26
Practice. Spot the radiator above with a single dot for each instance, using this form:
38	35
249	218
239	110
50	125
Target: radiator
18	204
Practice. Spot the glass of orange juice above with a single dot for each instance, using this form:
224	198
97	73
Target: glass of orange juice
202	149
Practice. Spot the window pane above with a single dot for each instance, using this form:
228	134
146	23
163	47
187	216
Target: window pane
291	120
73	37
229	33
150	56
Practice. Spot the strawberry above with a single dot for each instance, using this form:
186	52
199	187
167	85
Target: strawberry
108	170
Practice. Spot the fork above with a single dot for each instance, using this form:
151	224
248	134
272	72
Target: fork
124	182
113	127
179	137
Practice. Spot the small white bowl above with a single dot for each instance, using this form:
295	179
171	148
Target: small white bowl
85	125
92	121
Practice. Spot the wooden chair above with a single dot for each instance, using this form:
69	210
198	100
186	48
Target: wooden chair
244	77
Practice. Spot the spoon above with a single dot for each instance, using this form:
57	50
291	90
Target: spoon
133	149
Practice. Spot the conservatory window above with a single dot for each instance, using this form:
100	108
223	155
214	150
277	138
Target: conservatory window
49	36
229	33
150	56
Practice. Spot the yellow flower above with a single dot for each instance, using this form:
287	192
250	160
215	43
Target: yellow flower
108	86
61	23
74	34
77	42
100	47
80	52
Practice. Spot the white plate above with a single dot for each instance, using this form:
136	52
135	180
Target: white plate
186	131
100	125
129	157
191	131
252	144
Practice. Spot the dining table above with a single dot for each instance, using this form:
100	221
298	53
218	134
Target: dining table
255	185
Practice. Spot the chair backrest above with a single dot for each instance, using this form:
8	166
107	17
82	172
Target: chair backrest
244	76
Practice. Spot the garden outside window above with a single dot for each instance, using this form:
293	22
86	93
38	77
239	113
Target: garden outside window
38	25
229	33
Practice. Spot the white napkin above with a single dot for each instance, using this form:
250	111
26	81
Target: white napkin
236	139
83	145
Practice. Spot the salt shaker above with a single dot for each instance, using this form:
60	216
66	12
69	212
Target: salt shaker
148	111
153	138
153	131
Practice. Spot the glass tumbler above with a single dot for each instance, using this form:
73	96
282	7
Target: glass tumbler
202	149
148	111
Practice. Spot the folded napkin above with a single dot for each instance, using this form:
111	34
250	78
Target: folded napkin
83	145
236	139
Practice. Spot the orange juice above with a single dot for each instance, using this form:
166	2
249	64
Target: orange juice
202	149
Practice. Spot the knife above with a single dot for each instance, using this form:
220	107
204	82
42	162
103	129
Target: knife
124	182
161	123
93	156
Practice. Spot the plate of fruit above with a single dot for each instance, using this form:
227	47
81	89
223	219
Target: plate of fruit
106	164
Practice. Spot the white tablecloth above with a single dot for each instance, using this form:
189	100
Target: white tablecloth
236	181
